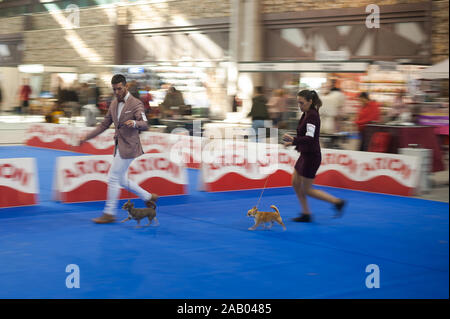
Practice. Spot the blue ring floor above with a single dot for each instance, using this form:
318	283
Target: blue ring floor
203	249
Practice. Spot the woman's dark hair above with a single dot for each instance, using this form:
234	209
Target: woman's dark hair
311	96
364	95
118	78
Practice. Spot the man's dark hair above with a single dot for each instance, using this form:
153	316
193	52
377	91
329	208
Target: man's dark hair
118	78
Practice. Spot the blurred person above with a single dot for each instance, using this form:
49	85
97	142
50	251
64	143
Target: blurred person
93	93
416	112
331	111
105	102
83	94
24	96
127	114
368	113
59	91
54	115
399	111
277	106
259	112
133	88
173	100
146	99
98	92
71	101
63	97
152	113
90	113
307	143
235	103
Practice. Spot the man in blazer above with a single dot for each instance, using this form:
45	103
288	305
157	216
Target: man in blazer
127	114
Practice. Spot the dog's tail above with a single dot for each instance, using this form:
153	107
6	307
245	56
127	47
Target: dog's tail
275	208
151	204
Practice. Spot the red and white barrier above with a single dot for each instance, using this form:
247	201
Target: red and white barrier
84	178
236	167
230	166
226	170
18	182
186	149
65	137
373	172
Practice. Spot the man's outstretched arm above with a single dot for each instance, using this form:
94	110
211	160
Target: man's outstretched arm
103	126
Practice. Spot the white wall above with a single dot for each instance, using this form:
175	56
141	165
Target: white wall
9	79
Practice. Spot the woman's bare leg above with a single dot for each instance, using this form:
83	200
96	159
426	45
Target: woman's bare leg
297	184
317	193
303	187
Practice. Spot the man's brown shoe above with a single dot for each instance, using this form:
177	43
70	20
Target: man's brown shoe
104	219
152	201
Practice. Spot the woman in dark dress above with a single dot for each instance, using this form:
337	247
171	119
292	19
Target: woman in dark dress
307	143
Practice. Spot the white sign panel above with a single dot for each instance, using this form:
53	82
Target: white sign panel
85	178
18	182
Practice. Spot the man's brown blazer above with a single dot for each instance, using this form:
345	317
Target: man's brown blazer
126	138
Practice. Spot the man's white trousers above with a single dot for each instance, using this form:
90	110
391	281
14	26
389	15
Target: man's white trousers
117	178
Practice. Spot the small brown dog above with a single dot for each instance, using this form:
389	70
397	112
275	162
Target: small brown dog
139	213
265	217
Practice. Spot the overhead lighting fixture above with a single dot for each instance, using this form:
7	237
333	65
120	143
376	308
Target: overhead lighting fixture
31	68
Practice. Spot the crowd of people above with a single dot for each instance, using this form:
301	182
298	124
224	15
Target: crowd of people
335	118
86	99
268	110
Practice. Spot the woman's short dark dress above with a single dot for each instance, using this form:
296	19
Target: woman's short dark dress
307	143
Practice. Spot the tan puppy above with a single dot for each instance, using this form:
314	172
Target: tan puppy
265	217
139	213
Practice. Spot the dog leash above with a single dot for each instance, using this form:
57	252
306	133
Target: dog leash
264	187
262	190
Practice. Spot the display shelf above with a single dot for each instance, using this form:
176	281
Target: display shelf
384	83
387	92
382	91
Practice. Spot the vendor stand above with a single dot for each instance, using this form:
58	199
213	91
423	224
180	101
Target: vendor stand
405	136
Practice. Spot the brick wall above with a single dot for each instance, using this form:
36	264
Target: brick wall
272	6
12	25
72	47
97	25
46	41
163	12
439	40
87	17
49	41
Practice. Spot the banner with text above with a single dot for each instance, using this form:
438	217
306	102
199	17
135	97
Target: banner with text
85	178
18	182
250	166
231	165
65	137
367	171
